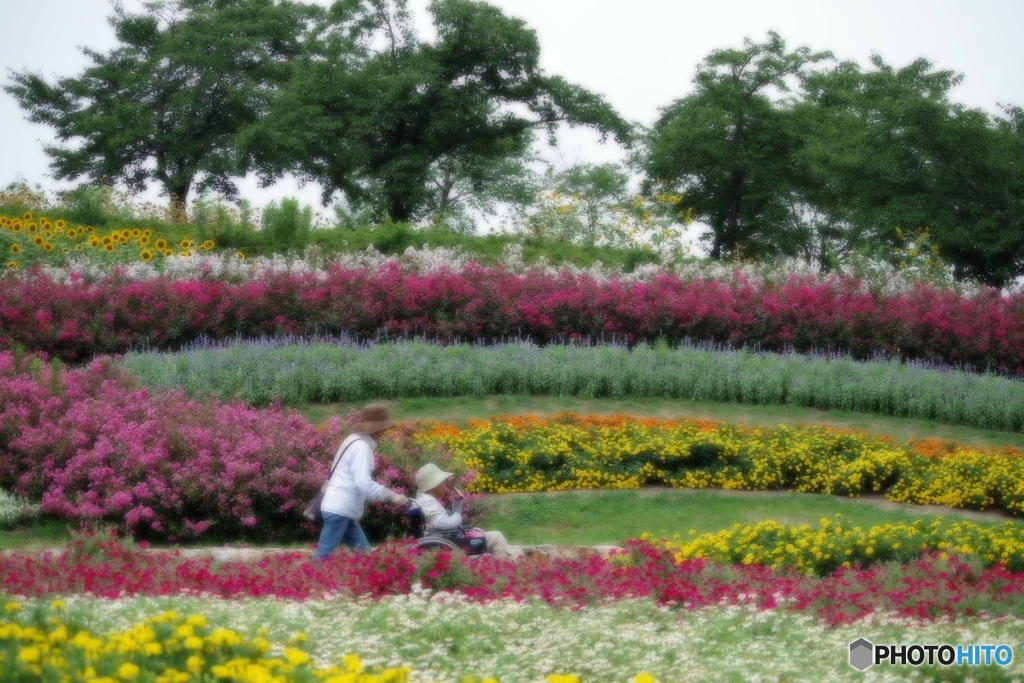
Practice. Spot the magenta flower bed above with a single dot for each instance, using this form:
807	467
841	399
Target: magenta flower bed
929	588
80	319
94	446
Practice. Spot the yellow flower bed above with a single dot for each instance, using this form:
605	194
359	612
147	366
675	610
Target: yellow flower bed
170	648
833	544
29	238
37	645
521	454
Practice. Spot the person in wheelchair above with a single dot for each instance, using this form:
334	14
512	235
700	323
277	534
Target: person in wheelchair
432	483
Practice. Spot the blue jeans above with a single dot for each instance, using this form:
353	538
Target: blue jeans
338	530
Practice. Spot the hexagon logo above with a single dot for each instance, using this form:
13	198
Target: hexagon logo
862	654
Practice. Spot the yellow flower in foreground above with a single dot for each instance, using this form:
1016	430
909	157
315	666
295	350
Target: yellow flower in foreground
128	671
352	663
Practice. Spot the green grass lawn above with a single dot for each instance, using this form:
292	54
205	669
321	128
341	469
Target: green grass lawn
465	408
45	533
610	517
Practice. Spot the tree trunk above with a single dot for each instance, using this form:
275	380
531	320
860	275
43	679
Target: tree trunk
178	193
732	229
716	245
399	211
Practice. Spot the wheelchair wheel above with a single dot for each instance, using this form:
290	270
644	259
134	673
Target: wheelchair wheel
436	543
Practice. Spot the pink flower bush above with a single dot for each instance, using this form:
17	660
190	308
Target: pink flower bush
94	446
931	587
77	319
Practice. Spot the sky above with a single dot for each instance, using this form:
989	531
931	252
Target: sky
641	55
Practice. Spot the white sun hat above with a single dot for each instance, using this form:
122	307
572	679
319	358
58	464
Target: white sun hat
429	476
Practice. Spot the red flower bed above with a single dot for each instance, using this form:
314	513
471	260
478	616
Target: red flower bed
79	319
929	588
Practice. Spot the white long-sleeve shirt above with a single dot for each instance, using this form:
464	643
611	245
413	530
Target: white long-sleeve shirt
434	514
350	485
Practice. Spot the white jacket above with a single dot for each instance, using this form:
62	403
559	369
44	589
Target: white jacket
434	514
351	485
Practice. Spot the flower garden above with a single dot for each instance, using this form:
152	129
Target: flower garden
151	407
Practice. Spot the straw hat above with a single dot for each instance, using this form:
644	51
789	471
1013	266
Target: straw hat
429	476
373	418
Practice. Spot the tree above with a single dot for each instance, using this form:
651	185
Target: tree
886	153
592	205
168	103
728	147
467	186
379	125
584	203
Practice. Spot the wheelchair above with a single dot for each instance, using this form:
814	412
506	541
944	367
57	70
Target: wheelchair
448	539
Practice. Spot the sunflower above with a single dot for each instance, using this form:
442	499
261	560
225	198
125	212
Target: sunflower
161	244
12	265
27	216
136	232
144	239
146	255
48	246
31	227
15	248
72	233
240	255
108	247
208	245
107	241
16	227
37	240
168	252
187	243
94	241
60	224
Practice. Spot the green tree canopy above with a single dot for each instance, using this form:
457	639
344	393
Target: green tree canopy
887	150
728	147
167	103
376	113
